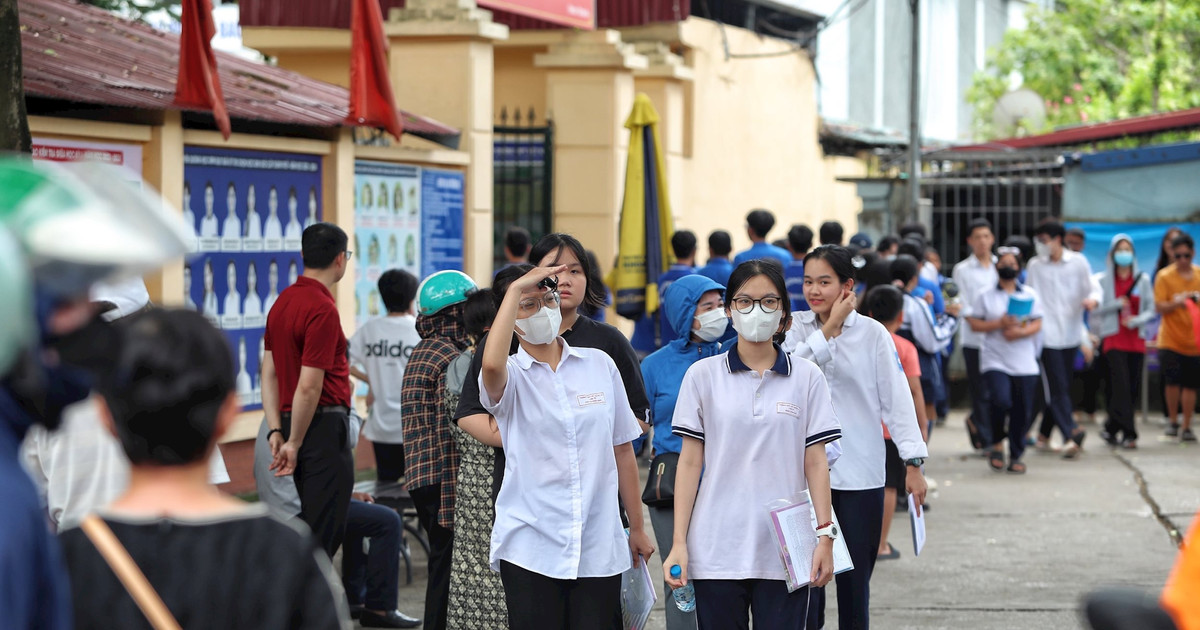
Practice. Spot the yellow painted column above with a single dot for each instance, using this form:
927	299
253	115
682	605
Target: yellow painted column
337	183
442	65
664	81
162	168
589	94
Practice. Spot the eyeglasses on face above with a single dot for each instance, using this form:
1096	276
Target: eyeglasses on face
768	304
349	254
1183	255
529	306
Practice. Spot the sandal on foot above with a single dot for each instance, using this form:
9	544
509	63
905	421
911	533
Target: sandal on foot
996	461
892	554
1016	468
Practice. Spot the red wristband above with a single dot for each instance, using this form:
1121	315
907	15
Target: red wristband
825	525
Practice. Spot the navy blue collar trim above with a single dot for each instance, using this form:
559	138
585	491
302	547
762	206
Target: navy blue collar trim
783	363
1020	287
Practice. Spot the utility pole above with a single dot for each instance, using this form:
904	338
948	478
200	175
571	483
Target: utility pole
914	115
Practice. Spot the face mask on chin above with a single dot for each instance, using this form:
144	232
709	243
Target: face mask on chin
540	328
712	325
1042	249
756	325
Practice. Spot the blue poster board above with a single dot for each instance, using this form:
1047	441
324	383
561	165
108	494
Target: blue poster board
1147	239
442	195
248	209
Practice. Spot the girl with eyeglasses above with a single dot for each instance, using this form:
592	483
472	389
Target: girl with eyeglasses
1008	357
567	430
867	383
756	422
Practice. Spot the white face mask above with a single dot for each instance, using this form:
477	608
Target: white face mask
1042	249
757	325
712	325
540	328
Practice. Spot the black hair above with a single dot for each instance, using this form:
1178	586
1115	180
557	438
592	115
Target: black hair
1183	240
292	193
517	241
320	245
831	233
800	239
397	287
1020	258
720	243
165	404
1022	243
557	241
760	222
479	311
504	279
883	303
904	269
208	185
887	242
837	257
1164	258
1077	232
781	243
978	224
909	229
912	247
774	273
230	187
1050	228
683	243
875	273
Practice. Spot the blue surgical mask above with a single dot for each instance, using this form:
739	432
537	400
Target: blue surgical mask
1123	258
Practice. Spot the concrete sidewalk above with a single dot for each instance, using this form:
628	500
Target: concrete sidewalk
1007	551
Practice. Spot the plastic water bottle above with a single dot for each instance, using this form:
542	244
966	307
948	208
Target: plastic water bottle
685	596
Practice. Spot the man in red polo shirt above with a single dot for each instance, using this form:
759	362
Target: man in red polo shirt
306	387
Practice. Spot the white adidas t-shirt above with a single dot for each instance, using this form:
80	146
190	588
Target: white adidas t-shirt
382	348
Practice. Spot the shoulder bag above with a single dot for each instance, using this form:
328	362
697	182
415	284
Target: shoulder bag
127	571
660	485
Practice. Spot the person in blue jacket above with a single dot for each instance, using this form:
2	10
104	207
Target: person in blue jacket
694	307
758	224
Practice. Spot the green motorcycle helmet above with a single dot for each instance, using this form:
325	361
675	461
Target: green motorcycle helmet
442	289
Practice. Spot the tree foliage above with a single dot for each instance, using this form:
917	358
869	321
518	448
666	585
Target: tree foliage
1096	60
138	10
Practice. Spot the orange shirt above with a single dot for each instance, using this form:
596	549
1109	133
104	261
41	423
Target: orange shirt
907	353
1176	334
1181	597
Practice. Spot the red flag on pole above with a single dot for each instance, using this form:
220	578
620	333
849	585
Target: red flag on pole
371	100
198	85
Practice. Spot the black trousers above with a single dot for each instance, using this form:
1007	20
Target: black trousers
1125	383
979	396
1011	401
372	579
862	526
389	461
441	547
1092	378
1058	367
727	604
324	476
537	602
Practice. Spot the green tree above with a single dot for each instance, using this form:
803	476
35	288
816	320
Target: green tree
1096	60
138	9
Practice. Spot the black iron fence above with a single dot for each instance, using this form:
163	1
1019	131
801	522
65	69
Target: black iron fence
523	176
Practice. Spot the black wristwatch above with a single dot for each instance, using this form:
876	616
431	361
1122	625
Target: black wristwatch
916	462
273	431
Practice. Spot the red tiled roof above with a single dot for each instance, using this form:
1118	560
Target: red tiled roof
1136	126
336	13
78	53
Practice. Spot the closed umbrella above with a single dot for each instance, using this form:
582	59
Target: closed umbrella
644	251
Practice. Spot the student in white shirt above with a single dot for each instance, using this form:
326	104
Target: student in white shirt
188	302
756	423
244	386
567	431
1008	359
293	273
379	352
252	307
931	335
312	208
974	275
272	286
189	217
210	296
208	223
253	219
273	230
232	229
867	383
233	299
292	230
1063	280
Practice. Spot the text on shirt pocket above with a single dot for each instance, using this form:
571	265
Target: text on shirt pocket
787	408
586	400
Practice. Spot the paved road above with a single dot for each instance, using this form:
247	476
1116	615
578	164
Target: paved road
1009	551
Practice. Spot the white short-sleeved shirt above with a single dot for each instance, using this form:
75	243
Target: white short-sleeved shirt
382	348
557	512
755	431
972	278
997	354
1062	287
866	382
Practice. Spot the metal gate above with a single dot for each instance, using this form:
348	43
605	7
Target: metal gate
1013	190
523	177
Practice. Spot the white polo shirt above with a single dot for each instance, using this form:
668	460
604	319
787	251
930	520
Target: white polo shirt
997	354
382	348
1062	287
972	278
866	383
755	430
557	512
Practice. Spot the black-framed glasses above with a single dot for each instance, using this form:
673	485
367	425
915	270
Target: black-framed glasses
349	254
768	304
529	306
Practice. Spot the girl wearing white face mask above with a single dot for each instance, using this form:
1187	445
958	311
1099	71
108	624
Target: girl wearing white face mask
756	422
693	304
567	430
860	363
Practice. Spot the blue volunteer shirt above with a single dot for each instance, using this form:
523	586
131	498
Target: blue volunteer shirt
718	270
763	250
793	274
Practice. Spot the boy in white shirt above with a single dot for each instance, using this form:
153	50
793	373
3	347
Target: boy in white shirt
379	352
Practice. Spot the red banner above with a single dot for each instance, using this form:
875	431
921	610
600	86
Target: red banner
576	13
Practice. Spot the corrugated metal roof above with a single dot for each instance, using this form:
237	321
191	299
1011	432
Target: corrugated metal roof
78	53
1136	126
336	13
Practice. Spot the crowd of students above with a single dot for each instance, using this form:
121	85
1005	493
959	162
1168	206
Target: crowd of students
511	418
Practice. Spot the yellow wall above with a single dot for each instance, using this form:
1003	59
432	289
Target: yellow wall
519	84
